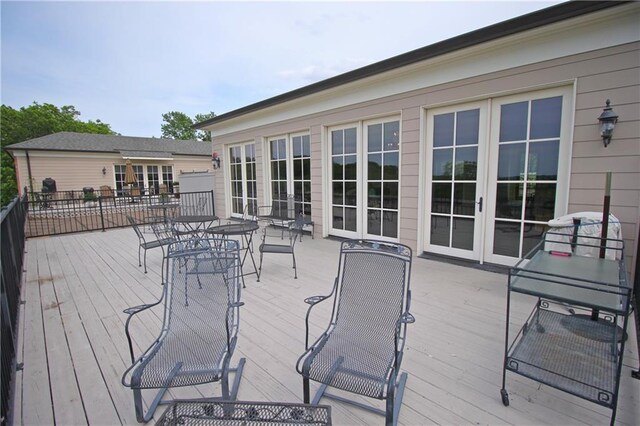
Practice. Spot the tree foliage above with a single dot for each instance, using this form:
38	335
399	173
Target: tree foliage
178	125
34	121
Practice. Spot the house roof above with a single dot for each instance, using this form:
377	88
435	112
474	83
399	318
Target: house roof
550	15
125	145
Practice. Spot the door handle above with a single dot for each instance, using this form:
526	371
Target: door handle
479	203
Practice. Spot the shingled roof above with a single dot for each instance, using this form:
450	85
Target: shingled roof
88	142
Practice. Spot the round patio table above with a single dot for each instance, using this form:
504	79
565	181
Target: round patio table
245	230
164	207
194	225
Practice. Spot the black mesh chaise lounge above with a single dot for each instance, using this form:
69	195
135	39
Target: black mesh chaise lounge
201	306
361	350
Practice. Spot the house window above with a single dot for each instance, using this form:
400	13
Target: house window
153	180
290	168
167	177
242	163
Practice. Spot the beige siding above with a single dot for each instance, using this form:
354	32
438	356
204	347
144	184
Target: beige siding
597	75
74	171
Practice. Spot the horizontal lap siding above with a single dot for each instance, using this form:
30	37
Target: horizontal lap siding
598	75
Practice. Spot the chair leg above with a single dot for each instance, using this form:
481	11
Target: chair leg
295	270
145	261
305	389
260	267
139	259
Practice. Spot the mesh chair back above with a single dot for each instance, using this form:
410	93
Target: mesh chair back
135	227
201	316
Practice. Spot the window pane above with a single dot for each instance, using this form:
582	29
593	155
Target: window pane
374	195
546	115
442	164
274	150
374	137
297	169
513	121
282	149
350	167
307	192
467	126
306	146
297	190
350	193
374	222
462	236
466	163
306	169
338	218
338	194
350	141
443	130
441	198
350	222
541	200
506	238
511	161
391	136
336	142
390	224
464	199
391	161
543	160
532	235
375	167
390	195
337	168
509	200
440	230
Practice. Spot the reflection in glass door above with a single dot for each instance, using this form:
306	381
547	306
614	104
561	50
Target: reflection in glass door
383	162
344	182
242	163
526	184
456	182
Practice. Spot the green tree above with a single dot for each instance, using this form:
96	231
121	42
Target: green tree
177	125
203	135
34	121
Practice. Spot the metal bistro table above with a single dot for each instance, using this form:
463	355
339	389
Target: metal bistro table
245	229
193	225
199	412
164	207
580	354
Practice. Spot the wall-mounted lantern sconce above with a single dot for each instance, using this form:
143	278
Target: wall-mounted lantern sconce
215	159
608	120
104	171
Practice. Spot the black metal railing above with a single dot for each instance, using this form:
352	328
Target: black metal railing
12	240
79	211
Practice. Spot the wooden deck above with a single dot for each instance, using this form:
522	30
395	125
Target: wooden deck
74	349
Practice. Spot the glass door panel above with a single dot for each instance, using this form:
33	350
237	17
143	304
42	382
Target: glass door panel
242	164
344	181
382	179
526	189
455	144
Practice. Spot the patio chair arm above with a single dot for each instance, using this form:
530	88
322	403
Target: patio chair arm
236	304
131	312
312	301
406	318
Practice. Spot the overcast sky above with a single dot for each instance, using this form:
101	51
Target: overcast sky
127	63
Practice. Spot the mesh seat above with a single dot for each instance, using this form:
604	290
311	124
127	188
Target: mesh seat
361	350
201	300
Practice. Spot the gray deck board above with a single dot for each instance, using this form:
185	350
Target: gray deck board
74	348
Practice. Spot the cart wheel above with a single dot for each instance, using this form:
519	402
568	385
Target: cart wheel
540	328
505	397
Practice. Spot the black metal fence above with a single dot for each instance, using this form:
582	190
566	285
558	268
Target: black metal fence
77	211
12	240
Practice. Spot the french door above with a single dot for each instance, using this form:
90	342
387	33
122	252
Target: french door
457	145
243	184
497	172
365	179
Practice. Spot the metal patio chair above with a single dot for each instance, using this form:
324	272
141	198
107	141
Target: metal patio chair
273	242
144	244
280	212
361	350
201	305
